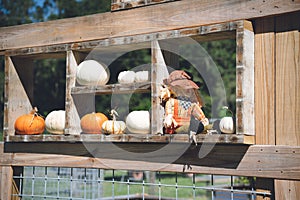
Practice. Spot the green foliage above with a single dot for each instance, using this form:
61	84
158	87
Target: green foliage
223	54
16	12
74	8
49	85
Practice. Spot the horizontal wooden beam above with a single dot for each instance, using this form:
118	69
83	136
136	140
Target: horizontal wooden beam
280	162
127	138
130	43
169	16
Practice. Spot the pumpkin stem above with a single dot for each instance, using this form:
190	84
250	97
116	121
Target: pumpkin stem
34	113
114	114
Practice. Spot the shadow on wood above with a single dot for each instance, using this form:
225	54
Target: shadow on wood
204	154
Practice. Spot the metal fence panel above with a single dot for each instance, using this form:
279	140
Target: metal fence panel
91	184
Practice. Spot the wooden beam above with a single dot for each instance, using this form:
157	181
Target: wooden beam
123	138
265	80
125	4
159	72
140	21
280	162
245	79
6	180
16	101
287	93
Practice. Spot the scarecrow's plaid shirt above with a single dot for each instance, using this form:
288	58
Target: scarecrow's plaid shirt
182	109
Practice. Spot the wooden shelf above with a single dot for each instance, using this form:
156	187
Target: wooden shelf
225	153
159	44
141	87
141	138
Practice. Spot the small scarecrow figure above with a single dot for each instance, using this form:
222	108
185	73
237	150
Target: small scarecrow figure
182	103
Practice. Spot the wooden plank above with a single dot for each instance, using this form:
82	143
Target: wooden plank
287	93
72	125
141	138
265	80
281	162
6	180
287	90
128	4
113	88
287	189
135	21
16	101
245	79
130	43
265	91
159	72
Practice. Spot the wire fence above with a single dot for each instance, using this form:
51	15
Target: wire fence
85	183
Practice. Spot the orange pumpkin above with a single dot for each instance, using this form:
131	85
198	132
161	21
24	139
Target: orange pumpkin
30	124
92	123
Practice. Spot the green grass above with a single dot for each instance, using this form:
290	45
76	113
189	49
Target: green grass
120	186
167	187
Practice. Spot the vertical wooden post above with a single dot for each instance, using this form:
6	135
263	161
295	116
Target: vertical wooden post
265	81
245	79
287	93
158	73
16	101
72	118
79	104
265	90
6	178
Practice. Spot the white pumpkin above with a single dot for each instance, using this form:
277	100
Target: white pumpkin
126	77
138	122
91	72
141	76
55	122
227	125
113	126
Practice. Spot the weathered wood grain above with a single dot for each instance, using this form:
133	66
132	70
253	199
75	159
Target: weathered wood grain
6	180
113	88
72	125
129	43
287	88
122	4
141	138
281	162
287	93
159	72
245	113
265	90
16	100
265	80
140	21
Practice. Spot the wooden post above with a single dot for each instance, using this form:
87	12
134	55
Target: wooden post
245	79
265	91
158	73
287	93
6	177
265	81
77	105
16	101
